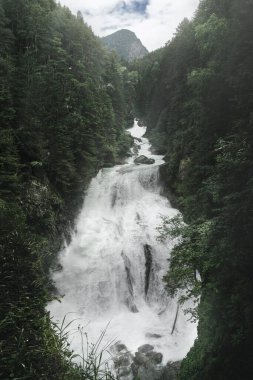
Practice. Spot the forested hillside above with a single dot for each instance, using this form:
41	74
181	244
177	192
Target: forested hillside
64	106
196	95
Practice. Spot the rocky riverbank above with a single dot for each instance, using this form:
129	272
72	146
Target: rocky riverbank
145	364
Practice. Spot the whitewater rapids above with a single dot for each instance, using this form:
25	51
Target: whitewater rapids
113	268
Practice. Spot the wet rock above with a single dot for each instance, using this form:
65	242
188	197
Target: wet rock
144	160
154	336
149	373
136	148
124	372
121	347
146	364
140	123
170	371
131	305
148	266
58	267
166	185
145	348
140	359
154	371
118	348
122	361
155	357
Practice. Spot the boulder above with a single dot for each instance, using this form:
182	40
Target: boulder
170	371
123	361
124	372
144	160
145	348
118	348
140	359
140	123
155	357
151	370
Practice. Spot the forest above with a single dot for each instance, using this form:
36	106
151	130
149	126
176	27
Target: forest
65	103
196	95
64	106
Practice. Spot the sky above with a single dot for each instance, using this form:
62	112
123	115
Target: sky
153	21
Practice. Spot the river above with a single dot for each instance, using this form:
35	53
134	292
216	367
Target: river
113	268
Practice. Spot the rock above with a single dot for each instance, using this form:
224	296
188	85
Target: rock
140	123
155	336
121	347
124	371
149	373
145	348
155	357
166	185
133	308
118	348
122	361
144	160
58	268
170	371
148	266
140	359
148	364
136	148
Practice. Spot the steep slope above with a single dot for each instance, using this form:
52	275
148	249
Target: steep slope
62	117
197	97
126	44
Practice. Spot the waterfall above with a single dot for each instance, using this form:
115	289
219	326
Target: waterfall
113	268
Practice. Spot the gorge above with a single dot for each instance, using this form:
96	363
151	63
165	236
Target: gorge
112	271
65	105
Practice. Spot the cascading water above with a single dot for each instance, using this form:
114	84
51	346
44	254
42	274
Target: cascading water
113	268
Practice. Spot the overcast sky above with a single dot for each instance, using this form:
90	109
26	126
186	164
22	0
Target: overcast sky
153	21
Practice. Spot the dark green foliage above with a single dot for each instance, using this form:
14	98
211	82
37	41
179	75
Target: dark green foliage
63	116
200	102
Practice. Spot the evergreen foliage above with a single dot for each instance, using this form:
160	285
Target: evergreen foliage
63	116
64	106
199	106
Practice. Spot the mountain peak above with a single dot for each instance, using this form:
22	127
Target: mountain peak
126	44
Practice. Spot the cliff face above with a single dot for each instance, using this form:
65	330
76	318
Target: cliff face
126	45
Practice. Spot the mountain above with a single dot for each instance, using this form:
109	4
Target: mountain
126	45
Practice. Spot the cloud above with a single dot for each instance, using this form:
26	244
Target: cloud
153	21
135	7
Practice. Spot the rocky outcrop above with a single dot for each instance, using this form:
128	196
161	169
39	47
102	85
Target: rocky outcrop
170	371
166	181
148	367
145	364
126	45
130	299
122	360
143	160
148	266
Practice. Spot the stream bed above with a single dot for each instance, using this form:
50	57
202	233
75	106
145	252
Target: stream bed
112	271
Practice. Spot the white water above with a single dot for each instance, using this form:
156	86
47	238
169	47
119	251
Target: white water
103	275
